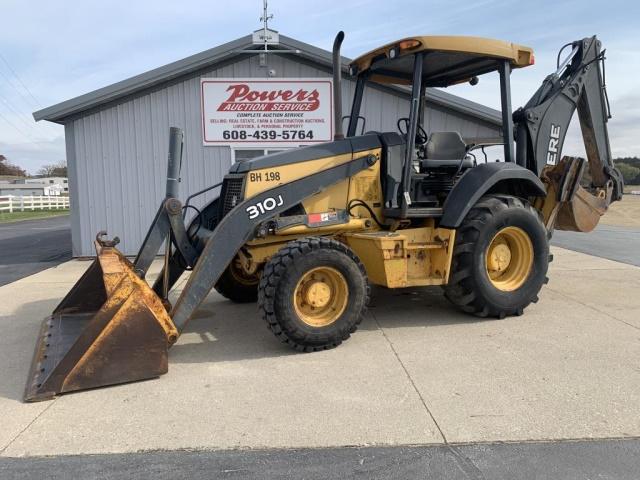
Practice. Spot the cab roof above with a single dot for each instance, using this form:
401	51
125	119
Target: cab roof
448	60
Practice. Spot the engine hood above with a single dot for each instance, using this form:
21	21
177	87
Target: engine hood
304	154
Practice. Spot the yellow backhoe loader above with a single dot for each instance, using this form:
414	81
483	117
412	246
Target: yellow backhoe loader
306	231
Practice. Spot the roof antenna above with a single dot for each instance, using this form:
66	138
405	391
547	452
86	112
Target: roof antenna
265	21
263	38
266	16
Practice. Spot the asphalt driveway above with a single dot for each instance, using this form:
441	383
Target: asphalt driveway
618	243
30	246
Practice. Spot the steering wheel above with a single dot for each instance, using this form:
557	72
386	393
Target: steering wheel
421	135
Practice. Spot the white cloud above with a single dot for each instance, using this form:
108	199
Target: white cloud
31	156
61	50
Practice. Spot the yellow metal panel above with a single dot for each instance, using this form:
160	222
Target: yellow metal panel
266	178
365	186
410	257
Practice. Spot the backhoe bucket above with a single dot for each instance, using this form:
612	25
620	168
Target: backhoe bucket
110	328
568	205
582	213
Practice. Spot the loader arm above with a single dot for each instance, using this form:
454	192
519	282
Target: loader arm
240	225
541	128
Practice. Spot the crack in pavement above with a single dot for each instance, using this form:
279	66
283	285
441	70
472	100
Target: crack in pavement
415	388
463	462
4	449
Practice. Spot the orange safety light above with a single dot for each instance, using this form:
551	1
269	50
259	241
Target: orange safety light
409	44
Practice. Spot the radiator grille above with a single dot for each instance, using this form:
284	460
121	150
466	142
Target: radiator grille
232	193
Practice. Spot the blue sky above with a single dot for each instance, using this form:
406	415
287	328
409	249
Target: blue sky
59	50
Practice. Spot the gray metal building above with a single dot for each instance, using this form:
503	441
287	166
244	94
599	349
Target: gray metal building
117	136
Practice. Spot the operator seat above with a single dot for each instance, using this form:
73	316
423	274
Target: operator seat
445	149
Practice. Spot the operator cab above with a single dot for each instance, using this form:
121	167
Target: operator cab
419	169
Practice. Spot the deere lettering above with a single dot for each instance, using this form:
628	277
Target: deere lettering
243	99
554	142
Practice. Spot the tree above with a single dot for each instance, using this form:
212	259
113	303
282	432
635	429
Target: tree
628	172
7	168
53	170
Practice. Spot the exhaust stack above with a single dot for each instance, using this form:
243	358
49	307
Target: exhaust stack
337	87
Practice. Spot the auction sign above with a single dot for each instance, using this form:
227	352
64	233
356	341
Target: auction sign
266	112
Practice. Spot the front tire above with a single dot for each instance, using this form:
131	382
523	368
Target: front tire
500	258
313	293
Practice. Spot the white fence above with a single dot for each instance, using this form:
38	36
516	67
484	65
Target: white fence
14	203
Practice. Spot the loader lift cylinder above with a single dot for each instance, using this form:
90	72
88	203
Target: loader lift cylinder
174	162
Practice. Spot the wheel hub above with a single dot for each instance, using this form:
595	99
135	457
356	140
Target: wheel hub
499	258
321	296
318	294
509	259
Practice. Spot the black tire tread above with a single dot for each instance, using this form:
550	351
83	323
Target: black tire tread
460	290
274	270
229	288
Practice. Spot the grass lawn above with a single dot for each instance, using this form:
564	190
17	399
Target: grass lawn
6	217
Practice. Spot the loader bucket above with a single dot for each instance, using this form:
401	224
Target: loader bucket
110	328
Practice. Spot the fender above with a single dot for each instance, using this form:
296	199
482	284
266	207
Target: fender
499	177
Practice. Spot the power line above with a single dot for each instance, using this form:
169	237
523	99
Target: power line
27	135
38	104
35	142
30	126
28	102
19	111
25	120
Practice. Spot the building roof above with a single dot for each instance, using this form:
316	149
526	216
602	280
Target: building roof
60	112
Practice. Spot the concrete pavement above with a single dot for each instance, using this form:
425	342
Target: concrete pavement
568	369
30	246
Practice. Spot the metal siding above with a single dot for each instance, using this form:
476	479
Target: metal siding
117	155
72	173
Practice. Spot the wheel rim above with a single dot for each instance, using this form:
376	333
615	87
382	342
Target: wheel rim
509	259
321	296
240	276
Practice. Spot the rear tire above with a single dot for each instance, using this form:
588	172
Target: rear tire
500	258
313	293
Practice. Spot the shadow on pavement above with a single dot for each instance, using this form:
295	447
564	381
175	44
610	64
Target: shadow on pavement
222	331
